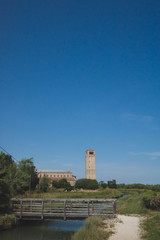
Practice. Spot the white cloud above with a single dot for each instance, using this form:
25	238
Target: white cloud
137	117
153	155
154	158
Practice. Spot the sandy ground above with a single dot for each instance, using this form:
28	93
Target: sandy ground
125	228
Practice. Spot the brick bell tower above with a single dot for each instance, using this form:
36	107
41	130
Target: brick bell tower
90	164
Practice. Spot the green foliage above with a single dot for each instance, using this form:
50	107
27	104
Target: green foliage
7	171
139	186
151	202
103	185
55	184
7	221
59	193
7	174
15	178
86	184
4	196
112	184
151	228
44	185
131	204
26	177
62	183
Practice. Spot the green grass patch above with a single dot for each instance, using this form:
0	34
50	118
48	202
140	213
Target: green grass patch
92	230
106	193
132	203
151	228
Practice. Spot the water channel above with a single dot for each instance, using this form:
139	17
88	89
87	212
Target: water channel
47	230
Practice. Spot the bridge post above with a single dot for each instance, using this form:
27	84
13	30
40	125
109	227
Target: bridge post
50	206
64	210
71	206
12	202
42	214
21	202
92	207
114	208
31	205
88	208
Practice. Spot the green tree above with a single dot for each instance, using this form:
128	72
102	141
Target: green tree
7	174
26	176
112	184
15	178
44	184
4	195
103	184
86	184
62	183
55	184
8	171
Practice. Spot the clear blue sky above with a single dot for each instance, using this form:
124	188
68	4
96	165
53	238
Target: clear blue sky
82	74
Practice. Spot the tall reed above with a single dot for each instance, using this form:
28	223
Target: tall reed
92	230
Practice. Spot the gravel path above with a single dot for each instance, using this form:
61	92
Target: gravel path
126	228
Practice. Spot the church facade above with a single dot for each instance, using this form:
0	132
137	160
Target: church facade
56	175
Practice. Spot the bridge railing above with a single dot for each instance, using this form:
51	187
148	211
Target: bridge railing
35	208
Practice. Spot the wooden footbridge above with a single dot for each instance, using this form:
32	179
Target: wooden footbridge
45	209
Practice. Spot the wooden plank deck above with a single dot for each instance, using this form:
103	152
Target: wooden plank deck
40	209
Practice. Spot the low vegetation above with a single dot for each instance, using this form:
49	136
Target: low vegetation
141	186
151	202
138	202
60	193
131	203
92	230
7	221
151	228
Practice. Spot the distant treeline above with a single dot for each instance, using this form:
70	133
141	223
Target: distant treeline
113	184
140	186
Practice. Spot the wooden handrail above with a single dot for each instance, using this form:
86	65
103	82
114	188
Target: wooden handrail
62	208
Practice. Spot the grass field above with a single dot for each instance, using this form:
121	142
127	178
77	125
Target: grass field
106	193
132	204
151	228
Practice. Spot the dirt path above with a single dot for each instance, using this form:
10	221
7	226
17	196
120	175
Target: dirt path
126	228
